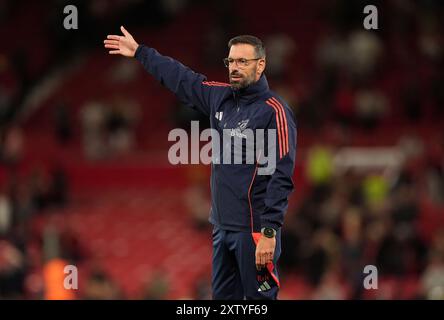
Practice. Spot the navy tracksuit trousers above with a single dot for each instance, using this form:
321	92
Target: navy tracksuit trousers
235	276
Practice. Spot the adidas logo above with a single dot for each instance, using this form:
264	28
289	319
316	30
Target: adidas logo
264	287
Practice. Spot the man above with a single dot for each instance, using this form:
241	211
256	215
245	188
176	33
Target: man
247	208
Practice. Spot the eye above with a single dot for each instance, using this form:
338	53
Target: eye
243	61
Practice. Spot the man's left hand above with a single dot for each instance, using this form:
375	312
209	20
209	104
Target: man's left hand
265	251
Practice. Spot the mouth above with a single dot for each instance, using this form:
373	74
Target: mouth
235	77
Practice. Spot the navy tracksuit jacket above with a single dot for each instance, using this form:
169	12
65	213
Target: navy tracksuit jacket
243	201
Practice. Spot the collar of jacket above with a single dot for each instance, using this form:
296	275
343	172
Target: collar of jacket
253	91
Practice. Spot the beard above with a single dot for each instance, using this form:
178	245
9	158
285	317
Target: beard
239	81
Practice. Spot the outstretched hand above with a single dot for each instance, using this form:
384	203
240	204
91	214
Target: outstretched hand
124	45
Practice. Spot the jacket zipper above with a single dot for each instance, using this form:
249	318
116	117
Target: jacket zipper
237	107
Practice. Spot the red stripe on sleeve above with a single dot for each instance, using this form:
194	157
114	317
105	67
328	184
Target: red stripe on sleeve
279	105
278	125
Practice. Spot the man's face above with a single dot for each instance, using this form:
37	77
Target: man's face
243	74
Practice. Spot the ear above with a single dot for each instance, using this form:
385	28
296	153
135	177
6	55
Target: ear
261	66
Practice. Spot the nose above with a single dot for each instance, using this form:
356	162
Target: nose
234	68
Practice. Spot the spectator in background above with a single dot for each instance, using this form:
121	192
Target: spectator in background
295	238
375	189
40	188
24	206
376	230
435	183
202	289
71	248
319	166
364	52
429	39
321	256
99	286
54	280
62	123
353	249
5	214
121	119
198	203
13	146
197	197
370	107
280	47
400	253
12	271
405	202
434	171
60	242
432	279
331	52
157	287
59	187
344	103
412	102
331	287
9	88
437	91
60	248
93	118
123	72
412	148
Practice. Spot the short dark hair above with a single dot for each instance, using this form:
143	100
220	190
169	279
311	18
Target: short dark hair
259	47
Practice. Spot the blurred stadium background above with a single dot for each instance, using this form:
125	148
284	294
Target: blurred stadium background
84	174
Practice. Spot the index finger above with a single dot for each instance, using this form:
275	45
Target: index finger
114	37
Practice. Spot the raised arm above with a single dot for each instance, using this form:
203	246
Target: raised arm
190	87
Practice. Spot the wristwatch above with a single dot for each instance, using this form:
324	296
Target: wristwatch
268	232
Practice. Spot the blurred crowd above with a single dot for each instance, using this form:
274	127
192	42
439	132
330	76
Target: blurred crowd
357	218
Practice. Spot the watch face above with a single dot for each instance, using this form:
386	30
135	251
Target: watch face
269	232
